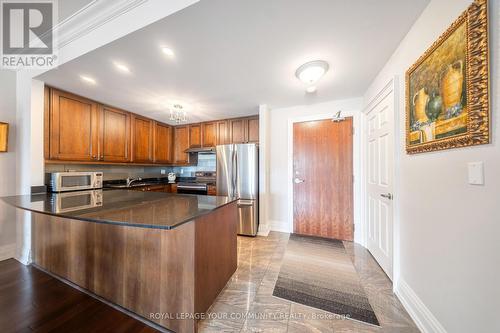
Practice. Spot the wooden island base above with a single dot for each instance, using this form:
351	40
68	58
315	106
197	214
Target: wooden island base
168	277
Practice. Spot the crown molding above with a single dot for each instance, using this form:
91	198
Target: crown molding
94	15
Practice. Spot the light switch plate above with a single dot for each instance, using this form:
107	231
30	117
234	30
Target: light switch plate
476	173
163	171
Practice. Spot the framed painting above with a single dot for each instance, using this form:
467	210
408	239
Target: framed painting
447	89
4	137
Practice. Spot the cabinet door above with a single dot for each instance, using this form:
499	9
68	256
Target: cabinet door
237	130
195	136
74	126
222	132
142	143
181	143
162	143
209	135
114	135
252	128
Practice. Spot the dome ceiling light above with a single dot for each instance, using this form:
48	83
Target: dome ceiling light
311	72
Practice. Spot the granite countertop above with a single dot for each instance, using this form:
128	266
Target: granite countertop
155	210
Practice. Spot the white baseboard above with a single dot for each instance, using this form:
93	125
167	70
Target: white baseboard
279	226
263	230
417	310
7	251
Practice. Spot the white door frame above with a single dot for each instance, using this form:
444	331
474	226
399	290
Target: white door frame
357	200
391	85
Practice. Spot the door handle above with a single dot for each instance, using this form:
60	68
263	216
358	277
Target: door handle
387	196
298	180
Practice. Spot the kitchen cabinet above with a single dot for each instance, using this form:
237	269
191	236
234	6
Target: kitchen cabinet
181	140
73	128
163	143
209	135
142	134
77	129
252	130
114	133
222	132
212	190
237	130
195	136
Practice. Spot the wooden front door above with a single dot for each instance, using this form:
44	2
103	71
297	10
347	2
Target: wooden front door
323	179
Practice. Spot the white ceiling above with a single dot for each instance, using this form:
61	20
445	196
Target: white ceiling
232	55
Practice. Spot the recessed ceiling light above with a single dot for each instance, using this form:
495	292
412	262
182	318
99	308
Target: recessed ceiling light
312	71
311	89
168	51
121	67
87	79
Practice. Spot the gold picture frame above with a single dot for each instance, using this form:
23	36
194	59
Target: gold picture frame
4	137
457	112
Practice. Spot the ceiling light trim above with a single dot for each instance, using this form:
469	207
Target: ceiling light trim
308	66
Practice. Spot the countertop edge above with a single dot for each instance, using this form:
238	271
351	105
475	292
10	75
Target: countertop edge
122	224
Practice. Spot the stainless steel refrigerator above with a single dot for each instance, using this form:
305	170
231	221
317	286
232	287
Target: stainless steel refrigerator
238	176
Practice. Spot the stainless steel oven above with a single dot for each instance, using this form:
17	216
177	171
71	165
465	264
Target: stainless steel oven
192	188
74	181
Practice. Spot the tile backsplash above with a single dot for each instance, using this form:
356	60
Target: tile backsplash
206	162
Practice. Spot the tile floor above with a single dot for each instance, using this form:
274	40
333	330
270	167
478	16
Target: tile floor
247	304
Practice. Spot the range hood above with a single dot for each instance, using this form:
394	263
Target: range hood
201	150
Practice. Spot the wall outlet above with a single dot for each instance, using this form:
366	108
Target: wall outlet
182	171
163	171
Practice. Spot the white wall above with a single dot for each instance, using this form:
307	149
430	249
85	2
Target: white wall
8	164
450	231
279	213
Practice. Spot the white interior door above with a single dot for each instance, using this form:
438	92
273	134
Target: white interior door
379	180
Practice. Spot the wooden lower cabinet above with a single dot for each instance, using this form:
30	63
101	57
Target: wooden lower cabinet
144	270
212	190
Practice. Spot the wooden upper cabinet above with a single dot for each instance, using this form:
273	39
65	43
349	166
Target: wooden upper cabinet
181	143
114	135
209	134
252	129
142	143
163	143
222	132
237	131
195	136
74	126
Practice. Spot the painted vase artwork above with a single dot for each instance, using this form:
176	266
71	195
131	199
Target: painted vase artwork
440	113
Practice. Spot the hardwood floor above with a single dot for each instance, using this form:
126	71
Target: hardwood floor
33	301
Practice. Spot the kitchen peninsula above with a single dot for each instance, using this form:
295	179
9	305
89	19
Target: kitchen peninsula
162	256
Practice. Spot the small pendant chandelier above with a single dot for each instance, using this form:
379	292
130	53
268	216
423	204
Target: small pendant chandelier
178	114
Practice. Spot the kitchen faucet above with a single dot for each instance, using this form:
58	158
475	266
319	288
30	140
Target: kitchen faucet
131	180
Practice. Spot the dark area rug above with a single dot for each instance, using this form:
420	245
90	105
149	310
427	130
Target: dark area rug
319	273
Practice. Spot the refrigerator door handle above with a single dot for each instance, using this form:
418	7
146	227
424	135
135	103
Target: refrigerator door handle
233	172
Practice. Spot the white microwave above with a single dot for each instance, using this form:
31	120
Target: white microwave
74	181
